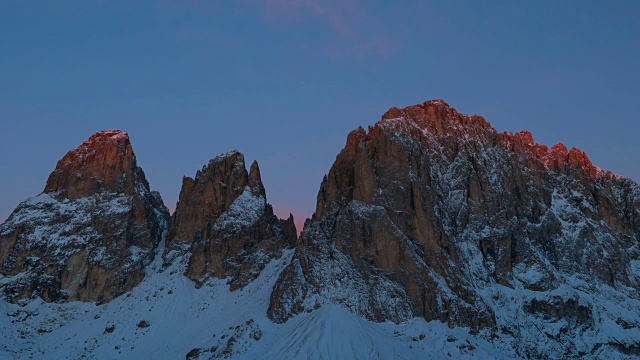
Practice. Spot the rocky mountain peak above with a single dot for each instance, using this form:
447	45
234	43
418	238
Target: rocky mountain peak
104	162
434	214
555	158
113	135
205	197
223	224
92	231
526	136
437	117
354	138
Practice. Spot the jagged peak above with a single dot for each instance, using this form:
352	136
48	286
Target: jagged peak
555	157
231	167
355	137
108	135
254	174
234	158
437	102
395	112
560	147
526	136
436	117
255	180
235	154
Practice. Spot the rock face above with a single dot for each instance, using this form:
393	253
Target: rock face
224	223
434	214
92	231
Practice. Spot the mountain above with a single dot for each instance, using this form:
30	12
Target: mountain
224	222
434	236
434	214
90	234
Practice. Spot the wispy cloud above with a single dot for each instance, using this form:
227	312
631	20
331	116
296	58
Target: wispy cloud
337	29
334	13
354	31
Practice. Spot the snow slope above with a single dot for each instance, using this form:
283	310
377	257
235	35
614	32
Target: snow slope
212	322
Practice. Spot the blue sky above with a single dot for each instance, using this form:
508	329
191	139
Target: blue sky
284	81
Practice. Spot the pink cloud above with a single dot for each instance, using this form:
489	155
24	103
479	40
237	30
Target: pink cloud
346	28
355	31
332	12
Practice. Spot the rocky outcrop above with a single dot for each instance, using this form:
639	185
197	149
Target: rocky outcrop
92	231
225	225
103	163
434	214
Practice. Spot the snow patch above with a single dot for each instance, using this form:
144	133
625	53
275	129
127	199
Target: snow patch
245	211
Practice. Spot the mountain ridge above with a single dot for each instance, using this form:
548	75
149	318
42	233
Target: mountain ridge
430	211
429	217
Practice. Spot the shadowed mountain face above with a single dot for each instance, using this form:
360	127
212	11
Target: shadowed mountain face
225	225
92	231
434	214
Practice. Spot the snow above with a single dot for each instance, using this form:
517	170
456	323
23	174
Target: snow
635	268
529	275
106	135
221	157
43	214
45	231
245	211
183	318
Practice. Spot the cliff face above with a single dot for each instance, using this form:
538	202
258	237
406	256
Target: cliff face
225	225
92	231
434	214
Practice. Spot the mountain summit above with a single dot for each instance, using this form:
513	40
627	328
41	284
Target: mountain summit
92	231
105	162
434	214
224	223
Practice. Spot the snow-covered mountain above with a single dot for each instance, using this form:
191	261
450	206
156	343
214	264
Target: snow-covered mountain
434	214
434	236
90	234
224	223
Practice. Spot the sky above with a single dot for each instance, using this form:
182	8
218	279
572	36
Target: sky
284	81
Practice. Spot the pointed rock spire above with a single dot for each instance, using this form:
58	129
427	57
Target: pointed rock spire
255	180
223	218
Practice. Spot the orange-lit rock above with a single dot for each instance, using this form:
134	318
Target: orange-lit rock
92	231
224	224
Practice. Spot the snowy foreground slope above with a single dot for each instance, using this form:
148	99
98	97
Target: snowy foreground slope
213	322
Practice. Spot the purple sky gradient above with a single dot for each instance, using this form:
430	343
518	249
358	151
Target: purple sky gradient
284	81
